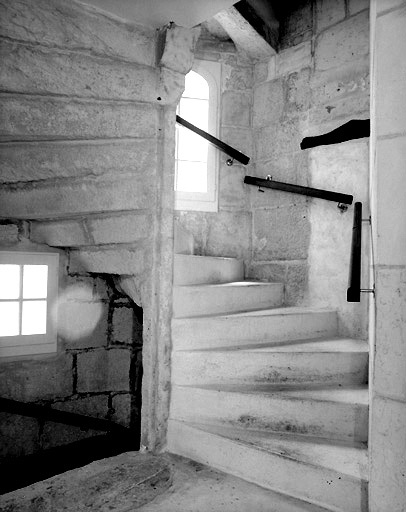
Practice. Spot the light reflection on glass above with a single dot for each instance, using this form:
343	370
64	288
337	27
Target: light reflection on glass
9	281
35	281
191	177
9	318
34	317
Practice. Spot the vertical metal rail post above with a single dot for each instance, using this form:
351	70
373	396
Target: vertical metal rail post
354	278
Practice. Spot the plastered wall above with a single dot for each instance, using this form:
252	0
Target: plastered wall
387	484
87	113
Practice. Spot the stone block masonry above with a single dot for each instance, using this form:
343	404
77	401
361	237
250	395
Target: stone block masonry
87	127
318	81
96	372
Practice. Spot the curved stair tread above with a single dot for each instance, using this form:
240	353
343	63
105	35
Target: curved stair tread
333	344
275	311
354	395
344	458
232	284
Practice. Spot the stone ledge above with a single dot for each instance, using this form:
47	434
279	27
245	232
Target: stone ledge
128	481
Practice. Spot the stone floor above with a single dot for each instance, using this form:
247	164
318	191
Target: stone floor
147	483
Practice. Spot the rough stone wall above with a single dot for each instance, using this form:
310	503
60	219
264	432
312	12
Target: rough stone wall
97	371
318	81
228	231
87	123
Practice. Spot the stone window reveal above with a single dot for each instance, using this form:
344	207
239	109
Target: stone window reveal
196	164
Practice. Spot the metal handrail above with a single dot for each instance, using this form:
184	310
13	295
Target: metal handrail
229	150
354	278
328	195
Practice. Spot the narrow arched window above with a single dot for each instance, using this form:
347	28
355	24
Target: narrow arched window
196	160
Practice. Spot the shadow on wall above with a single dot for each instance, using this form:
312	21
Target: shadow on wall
97	373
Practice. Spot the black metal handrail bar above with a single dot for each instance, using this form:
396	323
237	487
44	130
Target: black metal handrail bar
229	150
298	189
65	417
354	277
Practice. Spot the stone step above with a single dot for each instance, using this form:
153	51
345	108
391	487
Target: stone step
328	412
330	360
208	299
190	269
267	325
331	475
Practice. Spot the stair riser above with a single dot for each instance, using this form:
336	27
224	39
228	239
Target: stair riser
217	300
225	331
334	420
198	270
283	474
199	368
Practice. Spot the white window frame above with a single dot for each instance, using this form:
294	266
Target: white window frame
22	345
196	201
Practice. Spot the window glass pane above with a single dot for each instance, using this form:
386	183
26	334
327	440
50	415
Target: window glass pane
196	86
34	317
35	281
9	318
191	146
9	281
195	111
191	177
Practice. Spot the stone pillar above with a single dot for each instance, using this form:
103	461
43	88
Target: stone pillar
388	207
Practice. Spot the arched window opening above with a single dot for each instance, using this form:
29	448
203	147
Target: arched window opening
196	159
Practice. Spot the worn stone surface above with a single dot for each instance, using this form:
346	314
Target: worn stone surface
82	324
66	197
31	380
128	481
8	233
59	434
343	42
232	190
30	117
388	447
239	138
19	435
128	261
346	165
390	351
268	103
44	22
236	108
122	409
103	370
329	12
389	88
122	325
355	6
22	162
35	70
118	229
229	235
282	233
297	26
236	78
179	45
93	406
292	59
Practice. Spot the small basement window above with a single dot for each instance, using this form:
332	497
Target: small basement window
28	293
196	172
